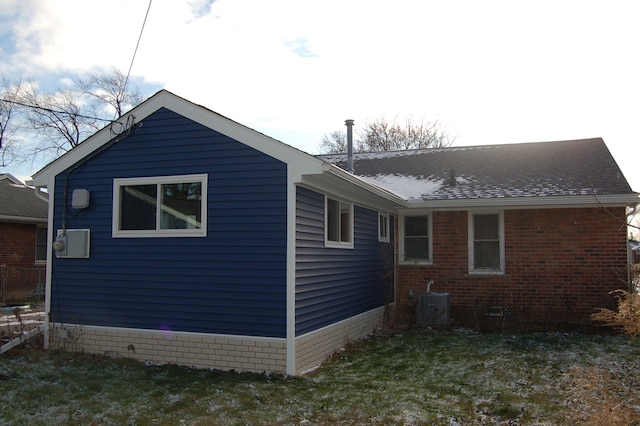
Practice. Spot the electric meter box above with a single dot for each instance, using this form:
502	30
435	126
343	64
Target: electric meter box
72	243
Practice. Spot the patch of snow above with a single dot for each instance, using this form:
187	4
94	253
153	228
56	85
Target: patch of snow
407	186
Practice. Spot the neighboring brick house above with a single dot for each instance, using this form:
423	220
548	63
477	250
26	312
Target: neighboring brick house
522	236
23	242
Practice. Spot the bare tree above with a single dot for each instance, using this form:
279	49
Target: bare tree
8	118
56	121
56	118
334	143
381	135
108	90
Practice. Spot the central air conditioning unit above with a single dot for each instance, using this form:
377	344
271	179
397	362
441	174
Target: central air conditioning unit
433	309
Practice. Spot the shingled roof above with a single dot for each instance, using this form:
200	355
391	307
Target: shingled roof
544	169
18	202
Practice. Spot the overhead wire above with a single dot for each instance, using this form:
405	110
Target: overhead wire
122	90
10	101
135	52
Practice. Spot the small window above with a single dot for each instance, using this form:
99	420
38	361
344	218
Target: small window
486	243
41	244
338	223
160	206
416	239
383	227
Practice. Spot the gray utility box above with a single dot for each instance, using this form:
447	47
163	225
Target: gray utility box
433	309
73	243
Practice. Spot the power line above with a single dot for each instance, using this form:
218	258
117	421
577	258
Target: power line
126	80
53	110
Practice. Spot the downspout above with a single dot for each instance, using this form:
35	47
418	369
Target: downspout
630	215
349	124
39	193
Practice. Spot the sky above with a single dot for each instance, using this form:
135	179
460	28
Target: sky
490	72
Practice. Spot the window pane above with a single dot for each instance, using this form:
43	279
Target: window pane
181	206
333	219
383	226
486	226
486	254
41	243
416	226
416	248
345	222
416	238
138	207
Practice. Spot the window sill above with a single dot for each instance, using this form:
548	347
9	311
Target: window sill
416	263
487	273
332	244
159	234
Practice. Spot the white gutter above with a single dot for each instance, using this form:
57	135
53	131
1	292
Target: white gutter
529	202
22	219
39	193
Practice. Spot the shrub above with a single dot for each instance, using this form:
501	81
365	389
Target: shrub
627	318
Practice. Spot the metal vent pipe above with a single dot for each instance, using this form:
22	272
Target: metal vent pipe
349	124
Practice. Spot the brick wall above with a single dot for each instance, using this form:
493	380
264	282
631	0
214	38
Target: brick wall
19	272
560	264
240	353
199	350
314	348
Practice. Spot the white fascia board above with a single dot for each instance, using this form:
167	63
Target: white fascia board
252	138
22	219
620	200
194	112
332	170
11	178
96	140
342	184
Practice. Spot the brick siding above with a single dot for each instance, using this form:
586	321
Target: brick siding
313	348
190	349
19	272
560	265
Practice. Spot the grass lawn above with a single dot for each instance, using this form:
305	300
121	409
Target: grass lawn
420	377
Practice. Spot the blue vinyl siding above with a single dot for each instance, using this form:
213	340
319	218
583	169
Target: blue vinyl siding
333	284
231	282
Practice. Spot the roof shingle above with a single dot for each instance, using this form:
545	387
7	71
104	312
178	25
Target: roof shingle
19	201
542	169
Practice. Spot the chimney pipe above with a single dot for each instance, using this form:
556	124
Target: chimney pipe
349	124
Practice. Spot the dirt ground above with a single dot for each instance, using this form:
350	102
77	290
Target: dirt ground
13	324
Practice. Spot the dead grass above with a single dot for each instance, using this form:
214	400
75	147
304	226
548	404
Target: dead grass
595	398
419	377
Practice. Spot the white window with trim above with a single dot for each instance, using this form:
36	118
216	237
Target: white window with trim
486	242
383	227
416	244
338	223
160	206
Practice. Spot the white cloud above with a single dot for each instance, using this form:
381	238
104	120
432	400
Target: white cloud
495	71
200	8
